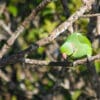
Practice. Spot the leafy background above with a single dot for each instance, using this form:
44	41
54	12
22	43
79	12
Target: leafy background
34	82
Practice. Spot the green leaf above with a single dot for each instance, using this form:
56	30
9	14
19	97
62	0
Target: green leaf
76	94
14	97
49	9
41	50
49	25
13	10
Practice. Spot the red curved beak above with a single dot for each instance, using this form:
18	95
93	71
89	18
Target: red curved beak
64	55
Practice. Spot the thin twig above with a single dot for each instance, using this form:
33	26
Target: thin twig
90	15
2	7
5	27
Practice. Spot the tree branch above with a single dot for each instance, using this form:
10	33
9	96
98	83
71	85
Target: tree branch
61	28
19	58
22	27
90	15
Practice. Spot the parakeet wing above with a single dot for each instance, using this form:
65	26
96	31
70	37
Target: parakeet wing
72	37
83	39
82	50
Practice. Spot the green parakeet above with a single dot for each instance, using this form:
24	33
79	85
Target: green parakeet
76	46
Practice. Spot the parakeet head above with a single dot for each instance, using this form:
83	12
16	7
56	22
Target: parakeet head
66	49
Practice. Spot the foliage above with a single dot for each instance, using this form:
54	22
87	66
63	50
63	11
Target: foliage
36	82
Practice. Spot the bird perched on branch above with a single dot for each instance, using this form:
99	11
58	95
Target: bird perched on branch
76	46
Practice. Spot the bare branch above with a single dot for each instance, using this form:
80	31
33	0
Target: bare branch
5	27
82	61
98	25
61	28
2	8
18	57
63	63
66	11
90	15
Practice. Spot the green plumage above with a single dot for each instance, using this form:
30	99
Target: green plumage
77	46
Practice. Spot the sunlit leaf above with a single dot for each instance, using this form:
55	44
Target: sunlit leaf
13	10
